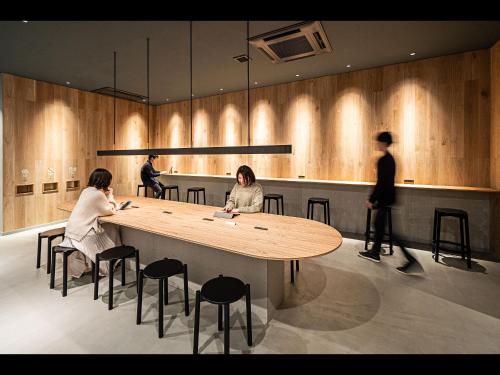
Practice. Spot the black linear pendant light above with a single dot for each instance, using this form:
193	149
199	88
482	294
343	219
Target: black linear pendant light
265	149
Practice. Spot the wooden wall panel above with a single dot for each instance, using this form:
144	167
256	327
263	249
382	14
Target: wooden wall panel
57	127
438	109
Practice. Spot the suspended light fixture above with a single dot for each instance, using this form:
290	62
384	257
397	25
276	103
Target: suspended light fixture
227	150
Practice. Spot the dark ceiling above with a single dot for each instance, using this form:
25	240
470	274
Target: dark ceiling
81	52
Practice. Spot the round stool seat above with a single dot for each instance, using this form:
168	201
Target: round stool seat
163	268
319	200
166	187
451	212
117	252
53	233
273	196
196	189
222	290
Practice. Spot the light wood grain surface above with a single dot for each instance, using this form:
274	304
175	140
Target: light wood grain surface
286	237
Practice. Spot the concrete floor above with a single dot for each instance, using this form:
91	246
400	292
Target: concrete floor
339	304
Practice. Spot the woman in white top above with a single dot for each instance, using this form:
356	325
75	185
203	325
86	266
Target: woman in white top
84	232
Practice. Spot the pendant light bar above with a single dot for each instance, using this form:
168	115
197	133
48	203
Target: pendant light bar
114	98
266	149
248	81
191	79
147	74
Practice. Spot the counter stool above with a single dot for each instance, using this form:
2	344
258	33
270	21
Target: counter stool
369	232
196	191
436	236
169	188
275	197
222	291
66	252
228	193
145	190
111	256
50	235
161	270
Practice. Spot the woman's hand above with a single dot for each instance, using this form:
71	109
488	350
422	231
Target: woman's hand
227	209
369	205
235	211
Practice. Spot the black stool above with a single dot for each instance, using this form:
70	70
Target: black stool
228	193
196	191
145	190
162	270
436	236
111	256
325	202
222	291
50	235
275	197
169	188
66	252
369	232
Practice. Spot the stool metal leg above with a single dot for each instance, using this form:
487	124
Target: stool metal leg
249	316
325	216
186	291
196	322
219	317
297	265
177	189
269	206
328	210
96	282
312	211
160	307
122	264
204	198
53	270
282	207
467	242
137	268
389	217
462	245
49	246
434	227
140	281
38	251
110	276
165	291
226	328
438	237
65	274
292	278
93	271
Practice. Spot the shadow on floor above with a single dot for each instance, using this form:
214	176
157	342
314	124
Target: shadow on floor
328	299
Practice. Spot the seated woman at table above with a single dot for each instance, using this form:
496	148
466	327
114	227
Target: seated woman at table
84	232
247	195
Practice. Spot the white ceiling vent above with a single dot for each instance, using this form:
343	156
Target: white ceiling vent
293	42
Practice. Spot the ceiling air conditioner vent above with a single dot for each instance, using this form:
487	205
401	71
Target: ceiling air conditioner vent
121	94
294	42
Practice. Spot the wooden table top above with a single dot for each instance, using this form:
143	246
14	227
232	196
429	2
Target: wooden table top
286	237
338	182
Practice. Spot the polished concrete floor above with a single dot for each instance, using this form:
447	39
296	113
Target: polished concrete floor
339	304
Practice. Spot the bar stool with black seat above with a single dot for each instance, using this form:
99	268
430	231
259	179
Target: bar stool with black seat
161	270
112	255
145	189
464	226
50	235
228	193
66	252
369	232
164	188
196	191
222	291
273	197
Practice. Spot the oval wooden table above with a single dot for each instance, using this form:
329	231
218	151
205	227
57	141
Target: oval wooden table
211	246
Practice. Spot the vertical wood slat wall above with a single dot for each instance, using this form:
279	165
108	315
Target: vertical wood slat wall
439	110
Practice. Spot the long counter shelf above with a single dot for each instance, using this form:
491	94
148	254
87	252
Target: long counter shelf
336	182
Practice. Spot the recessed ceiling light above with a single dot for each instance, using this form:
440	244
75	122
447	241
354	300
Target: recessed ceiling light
192	94
68	82
348	66
221	89
167	99
143	100
25	21
255	82
412	54
297	75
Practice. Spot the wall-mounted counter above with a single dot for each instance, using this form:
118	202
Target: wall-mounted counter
412	215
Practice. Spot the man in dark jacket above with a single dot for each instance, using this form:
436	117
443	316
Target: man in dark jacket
148	174
384	195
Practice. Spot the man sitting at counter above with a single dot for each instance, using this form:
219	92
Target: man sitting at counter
149	174
247	195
